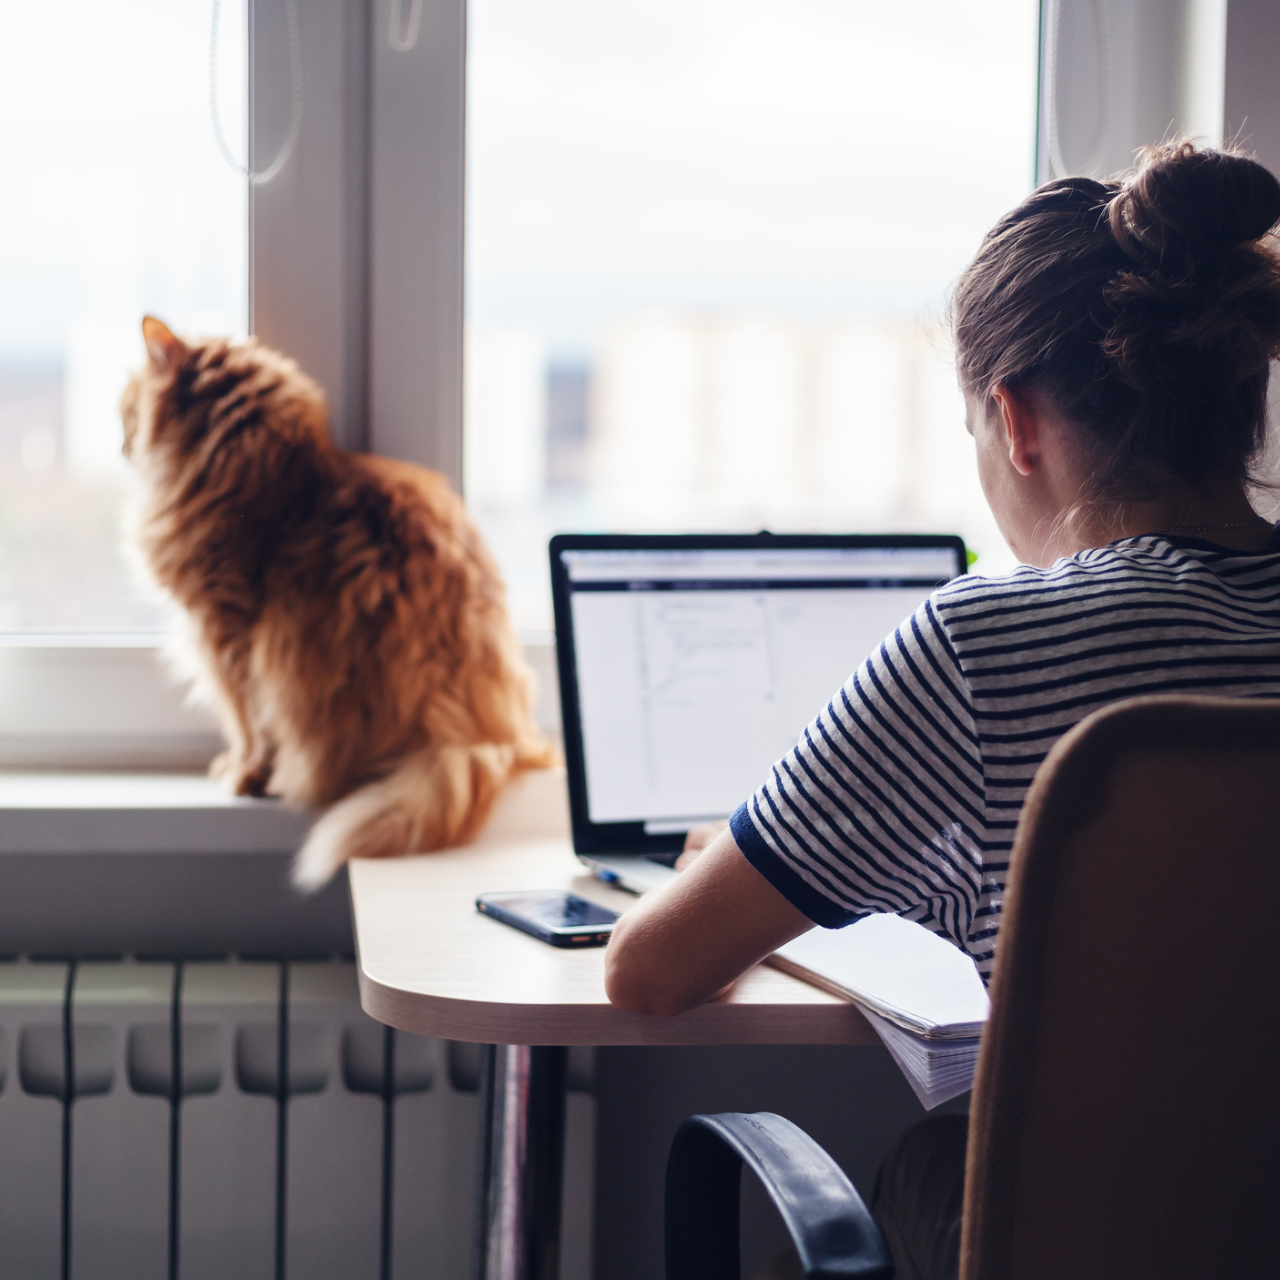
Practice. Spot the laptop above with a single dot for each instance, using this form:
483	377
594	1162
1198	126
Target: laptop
690	663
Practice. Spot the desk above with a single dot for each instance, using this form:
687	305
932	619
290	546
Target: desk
431	964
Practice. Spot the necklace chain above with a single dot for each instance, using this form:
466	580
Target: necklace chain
1208	528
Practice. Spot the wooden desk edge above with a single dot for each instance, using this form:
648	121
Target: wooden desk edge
493	1022
410	984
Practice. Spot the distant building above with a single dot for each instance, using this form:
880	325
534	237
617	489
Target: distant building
568	426
733	420
750	417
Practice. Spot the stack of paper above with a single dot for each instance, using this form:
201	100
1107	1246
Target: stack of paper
922	995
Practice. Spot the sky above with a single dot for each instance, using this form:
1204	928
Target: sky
116	199
813	157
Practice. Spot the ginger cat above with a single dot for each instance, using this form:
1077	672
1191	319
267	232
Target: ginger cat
345	620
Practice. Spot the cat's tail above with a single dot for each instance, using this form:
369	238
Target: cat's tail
434	799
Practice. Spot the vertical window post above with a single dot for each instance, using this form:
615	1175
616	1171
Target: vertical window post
356	246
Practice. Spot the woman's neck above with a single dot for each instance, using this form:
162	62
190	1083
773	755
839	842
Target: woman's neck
1220	514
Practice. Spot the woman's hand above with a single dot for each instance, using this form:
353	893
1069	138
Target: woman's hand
684	943
696	840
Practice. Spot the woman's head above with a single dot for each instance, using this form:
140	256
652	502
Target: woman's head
1142	314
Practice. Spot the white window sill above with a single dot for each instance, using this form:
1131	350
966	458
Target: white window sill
104	865
150	813
98	864
140	814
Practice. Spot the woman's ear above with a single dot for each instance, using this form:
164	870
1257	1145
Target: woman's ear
1021	428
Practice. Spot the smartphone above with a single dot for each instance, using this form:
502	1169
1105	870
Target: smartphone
560	918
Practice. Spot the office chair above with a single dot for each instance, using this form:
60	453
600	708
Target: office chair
1125	1119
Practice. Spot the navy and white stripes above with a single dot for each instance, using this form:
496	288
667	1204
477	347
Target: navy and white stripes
904	793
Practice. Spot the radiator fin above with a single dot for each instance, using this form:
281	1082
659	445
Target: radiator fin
118	1220
240	1118
32	1001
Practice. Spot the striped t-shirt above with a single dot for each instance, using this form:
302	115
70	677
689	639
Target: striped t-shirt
903	794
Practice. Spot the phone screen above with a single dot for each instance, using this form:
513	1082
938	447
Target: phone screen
558	910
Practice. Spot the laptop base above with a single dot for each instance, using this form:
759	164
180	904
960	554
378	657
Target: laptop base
632	872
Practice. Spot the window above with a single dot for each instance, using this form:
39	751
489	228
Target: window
708	242
349	259
708	245
116	203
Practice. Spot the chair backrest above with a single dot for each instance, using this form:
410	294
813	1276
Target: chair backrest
1126	1111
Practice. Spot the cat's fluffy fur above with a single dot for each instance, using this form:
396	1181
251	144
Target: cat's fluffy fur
346	621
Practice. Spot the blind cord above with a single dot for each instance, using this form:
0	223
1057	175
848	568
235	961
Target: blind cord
260	177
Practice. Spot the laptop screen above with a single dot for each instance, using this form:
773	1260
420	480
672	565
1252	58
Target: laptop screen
697	667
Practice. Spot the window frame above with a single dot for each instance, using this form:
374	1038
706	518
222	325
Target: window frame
355	248
356	269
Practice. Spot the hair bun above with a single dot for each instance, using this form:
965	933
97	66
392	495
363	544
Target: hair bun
1183	198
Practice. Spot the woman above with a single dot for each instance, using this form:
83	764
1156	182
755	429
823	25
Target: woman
1113	344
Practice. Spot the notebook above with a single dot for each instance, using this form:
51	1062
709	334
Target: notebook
921	994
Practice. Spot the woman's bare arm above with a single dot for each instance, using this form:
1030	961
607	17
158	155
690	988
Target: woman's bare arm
685	943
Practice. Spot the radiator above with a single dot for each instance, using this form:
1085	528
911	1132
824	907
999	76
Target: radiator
240	1120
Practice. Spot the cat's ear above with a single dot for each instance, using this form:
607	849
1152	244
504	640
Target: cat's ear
164	347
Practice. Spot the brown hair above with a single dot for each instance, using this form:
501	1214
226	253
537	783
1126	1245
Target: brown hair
1147	310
